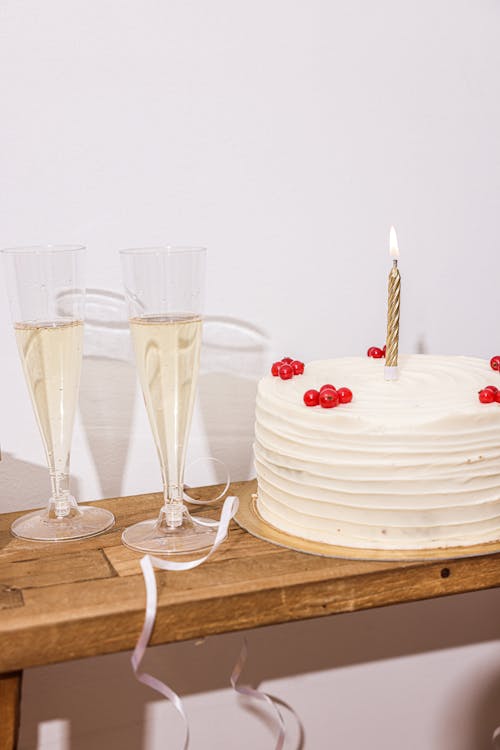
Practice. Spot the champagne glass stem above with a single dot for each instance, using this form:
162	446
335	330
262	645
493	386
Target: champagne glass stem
173	512
173	493
173	507
60	500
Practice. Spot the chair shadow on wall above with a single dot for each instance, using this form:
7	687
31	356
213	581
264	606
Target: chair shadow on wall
108	386
234	357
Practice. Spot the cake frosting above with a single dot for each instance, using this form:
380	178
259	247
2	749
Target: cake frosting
408	464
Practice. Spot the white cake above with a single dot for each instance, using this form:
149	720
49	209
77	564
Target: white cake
408	464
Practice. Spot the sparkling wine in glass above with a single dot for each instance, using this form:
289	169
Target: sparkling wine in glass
164	289
46	297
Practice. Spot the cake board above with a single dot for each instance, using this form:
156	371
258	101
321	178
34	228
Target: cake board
249	519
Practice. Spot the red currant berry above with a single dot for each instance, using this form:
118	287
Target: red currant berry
328	398
486	396
327	387
286	372
495	363
287	360
275	369
298	367
497	397
370	351
377	353
384	350
345	395
311	398
492	388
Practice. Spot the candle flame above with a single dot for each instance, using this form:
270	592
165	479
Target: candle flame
393	244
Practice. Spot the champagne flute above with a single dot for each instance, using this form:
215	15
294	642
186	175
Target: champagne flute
164	290
46	295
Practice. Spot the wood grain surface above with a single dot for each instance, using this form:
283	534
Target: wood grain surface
10	704
84	598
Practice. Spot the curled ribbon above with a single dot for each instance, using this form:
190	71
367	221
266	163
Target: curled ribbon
221	494
148	564
252	693
272	701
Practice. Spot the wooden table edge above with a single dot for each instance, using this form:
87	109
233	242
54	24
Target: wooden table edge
232	612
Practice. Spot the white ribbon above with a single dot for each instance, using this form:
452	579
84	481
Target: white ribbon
221	494
271	700
148	564
252	693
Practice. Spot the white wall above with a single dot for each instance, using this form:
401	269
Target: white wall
286	137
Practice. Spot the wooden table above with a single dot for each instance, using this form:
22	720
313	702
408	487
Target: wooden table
85	598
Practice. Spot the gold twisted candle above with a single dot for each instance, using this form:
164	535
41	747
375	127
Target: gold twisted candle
392	340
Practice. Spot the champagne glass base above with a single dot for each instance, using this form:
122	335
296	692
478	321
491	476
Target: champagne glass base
155	538
40	527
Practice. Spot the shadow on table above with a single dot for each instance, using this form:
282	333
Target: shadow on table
23	486
484	713
107	708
